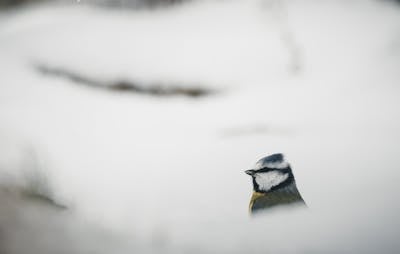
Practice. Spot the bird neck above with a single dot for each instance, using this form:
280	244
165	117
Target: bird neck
287	188
286	195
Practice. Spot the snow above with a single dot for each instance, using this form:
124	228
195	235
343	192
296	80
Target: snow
168	172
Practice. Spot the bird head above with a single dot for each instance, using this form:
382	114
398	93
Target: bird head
271	173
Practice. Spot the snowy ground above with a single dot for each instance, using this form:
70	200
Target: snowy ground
316	80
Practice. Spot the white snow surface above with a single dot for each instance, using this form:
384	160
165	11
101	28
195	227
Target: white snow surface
154	169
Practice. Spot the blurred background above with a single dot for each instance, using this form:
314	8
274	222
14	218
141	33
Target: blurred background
126	126
108	3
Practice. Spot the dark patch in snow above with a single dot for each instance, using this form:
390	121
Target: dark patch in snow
121	4
136	4
27	226
126	86
32	184
12	3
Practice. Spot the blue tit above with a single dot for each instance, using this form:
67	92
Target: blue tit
273	184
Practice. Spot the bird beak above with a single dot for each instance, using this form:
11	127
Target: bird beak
250	172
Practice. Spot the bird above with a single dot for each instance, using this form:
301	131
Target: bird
273	185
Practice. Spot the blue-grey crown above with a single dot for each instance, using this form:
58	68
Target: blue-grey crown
276	160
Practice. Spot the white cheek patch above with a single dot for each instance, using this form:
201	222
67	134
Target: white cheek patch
270	179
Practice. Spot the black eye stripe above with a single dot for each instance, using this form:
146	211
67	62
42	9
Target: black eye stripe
266	169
